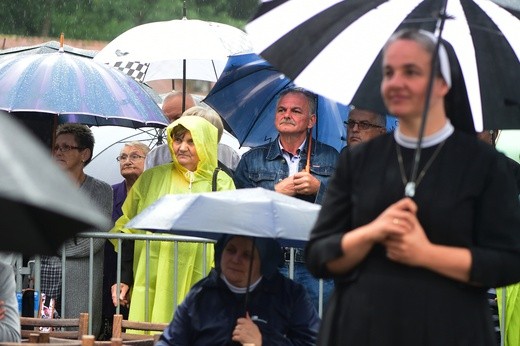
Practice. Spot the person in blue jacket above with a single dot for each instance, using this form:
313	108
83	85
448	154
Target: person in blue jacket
216	311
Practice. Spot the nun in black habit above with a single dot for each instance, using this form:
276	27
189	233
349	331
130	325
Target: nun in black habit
415	270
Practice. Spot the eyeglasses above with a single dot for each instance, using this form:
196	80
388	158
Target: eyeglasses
132	157
362	125
64	148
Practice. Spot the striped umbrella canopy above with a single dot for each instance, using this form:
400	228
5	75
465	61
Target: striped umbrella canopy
333	47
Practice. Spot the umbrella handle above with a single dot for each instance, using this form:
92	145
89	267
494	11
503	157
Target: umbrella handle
308	164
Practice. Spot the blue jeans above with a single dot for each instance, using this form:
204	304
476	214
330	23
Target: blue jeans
302	276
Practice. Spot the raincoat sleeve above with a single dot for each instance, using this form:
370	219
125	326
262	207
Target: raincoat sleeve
10	323
511	311
303	321
132	205
224	182
130	208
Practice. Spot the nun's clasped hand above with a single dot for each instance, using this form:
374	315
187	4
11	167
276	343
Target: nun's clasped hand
406	240
395	219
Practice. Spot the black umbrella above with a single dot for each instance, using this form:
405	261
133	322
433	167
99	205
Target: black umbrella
41	207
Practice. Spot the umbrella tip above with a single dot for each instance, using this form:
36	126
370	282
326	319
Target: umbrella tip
62	38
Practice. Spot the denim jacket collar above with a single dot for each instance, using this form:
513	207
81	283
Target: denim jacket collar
275	151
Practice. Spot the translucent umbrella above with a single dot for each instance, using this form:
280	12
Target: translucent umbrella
256	212
43	90
75	89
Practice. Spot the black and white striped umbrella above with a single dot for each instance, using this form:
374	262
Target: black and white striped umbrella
333	47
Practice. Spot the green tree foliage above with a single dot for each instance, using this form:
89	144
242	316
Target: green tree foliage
106	19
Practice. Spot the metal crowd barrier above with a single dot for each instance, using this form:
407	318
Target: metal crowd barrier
35	272
33	269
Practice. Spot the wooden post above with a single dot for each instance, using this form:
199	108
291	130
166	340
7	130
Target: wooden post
116	342
87	340
116	326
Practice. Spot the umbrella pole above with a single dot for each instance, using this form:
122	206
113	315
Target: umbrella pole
53	134
183	85
409	190
309	147
249	274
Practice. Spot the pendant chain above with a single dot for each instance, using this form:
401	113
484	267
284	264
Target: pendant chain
421	174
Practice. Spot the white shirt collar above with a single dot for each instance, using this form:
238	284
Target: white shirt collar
240	290
428	141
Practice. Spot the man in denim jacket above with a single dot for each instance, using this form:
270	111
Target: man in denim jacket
280	166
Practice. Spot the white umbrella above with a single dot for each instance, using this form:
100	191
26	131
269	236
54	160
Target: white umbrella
254	212
177	49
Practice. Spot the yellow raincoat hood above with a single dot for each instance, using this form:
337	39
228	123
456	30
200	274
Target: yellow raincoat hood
204	136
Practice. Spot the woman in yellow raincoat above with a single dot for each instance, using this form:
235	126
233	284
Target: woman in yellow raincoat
193	145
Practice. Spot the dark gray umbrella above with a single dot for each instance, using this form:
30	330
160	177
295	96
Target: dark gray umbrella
40	206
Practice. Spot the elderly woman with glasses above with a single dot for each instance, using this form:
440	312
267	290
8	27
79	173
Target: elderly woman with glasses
74	146
193	146
131	165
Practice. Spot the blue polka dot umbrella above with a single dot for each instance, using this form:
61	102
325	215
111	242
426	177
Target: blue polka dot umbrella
75	89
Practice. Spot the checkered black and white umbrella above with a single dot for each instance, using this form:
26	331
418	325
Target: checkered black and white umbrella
332	47
135	69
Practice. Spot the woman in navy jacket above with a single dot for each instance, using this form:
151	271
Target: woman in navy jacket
279	311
